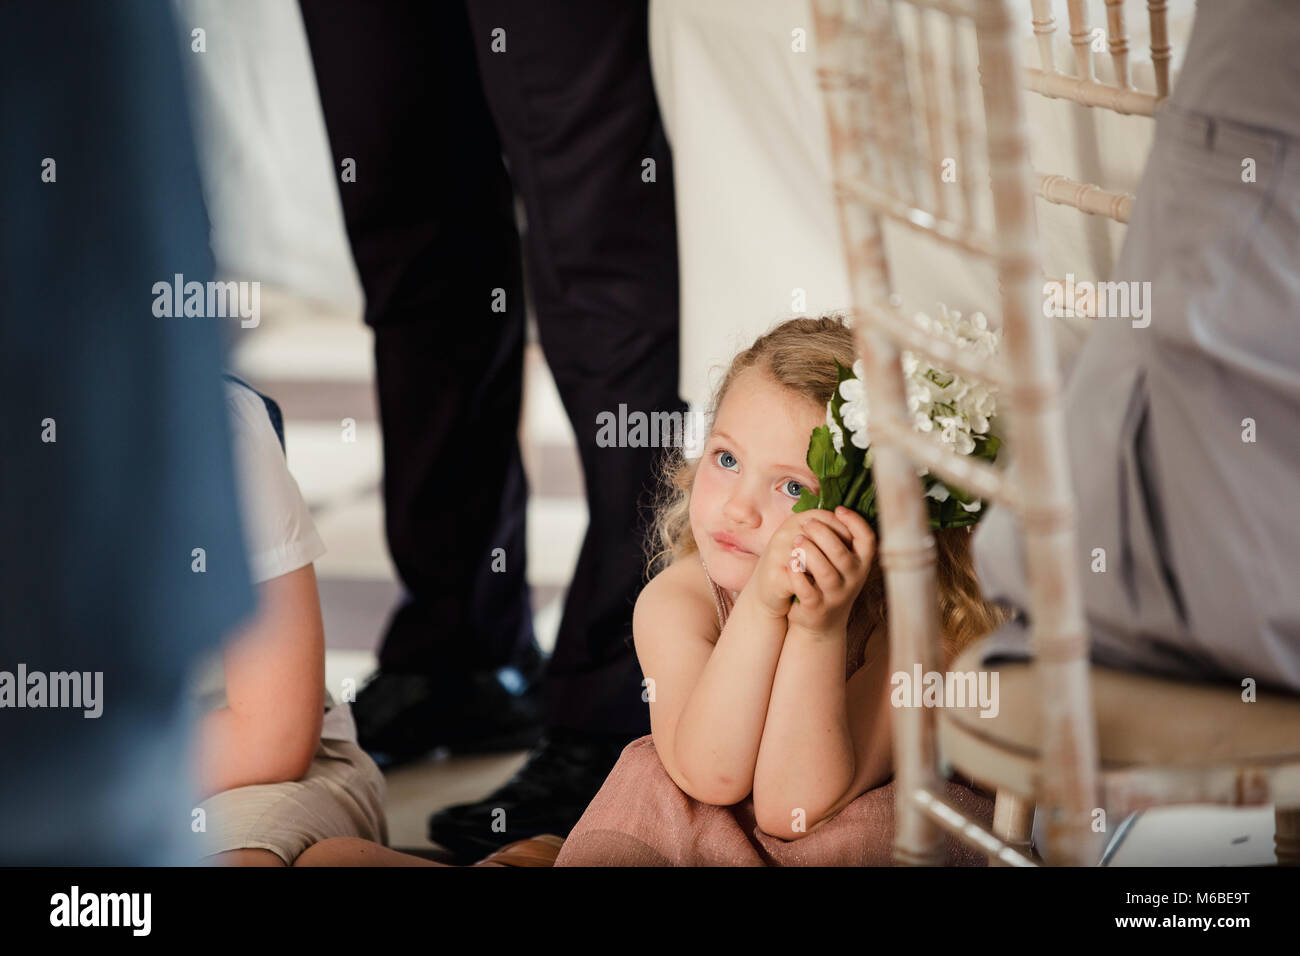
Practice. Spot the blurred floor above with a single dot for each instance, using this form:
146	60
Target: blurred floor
316	362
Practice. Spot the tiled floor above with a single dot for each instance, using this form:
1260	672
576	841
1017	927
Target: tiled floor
317	363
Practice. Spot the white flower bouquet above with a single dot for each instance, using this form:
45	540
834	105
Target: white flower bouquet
962	412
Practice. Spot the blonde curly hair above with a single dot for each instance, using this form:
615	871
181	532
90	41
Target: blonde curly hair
800	355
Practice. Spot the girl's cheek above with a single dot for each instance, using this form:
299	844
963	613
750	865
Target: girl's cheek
704	493
699	502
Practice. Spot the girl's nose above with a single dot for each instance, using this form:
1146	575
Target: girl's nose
740	509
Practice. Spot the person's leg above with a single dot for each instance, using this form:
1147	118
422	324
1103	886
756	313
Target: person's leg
249	856
570	89
575	108
429	213
353	851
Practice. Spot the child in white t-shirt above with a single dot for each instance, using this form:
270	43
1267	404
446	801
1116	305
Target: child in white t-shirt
278	765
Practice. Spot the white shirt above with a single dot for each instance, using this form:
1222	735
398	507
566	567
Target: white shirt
278	530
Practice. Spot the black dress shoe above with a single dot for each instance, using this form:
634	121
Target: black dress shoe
402	716
547	795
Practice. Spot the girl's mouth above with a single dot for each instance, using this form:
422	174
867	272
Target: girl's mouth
728	543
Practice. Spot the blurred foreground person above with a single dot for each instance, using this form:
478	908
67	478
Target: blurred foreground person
123	557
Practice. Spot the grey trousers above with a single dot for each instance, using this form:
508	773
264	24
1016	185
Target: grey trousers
1184	433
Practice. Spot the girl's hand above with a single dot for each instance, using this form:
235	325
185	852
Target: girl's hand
837	550
772	579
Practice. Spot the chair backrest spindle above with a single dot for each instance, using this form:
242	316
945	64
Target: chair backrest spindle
1045	33
1081	38
961	122
1118	41
1121	96
933	113
1161	51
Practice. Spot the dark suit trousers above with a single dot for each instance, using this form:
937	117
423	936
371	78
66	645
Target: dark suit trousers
417	97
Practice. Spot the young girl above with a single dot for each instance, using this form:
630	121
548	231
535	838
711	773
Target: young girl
770	719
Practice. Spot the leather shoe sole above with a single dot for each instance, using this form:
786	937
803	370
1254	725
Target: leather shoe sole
540	850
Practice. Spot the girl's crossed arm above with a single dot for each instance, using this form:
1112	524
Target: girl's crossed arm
825	742
824	749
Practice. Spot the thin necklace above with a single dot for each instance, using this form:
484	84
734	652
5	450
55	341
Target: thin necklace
730	597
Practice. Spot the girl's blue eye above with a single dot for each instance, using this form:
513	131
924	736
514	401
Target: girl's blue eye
728	461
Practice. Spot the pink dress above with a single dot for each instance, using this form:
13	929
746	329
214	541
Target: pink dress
641	817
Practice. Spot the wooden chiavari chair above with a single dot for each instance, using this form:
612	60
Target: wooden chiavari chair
1070	738
1085	88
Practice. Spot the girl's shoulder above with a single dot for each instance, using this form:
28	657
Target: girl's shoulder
680	593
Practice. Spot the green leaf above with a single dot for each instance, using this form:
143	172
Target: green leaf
945	511
823	459
832	494
867	505
856	487
807	500
956	494
987	447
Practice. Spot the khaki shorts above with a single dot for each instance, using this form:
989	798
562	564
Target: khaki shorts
341	795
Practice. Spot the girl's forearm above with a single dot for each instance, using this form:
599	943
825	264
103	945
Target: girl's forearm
720	726
806	759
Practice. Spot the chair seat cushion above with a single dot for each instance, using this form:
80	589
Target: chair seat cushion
1140	719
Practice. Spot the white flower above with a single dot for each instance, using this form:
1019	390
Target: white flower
837	433
942	388
918	397
937	400
978	405
854	409
973	506
853	390
963	409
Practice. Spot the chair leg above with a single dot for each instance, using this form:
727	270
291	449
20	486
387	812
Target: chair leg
1286	836
1013	823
